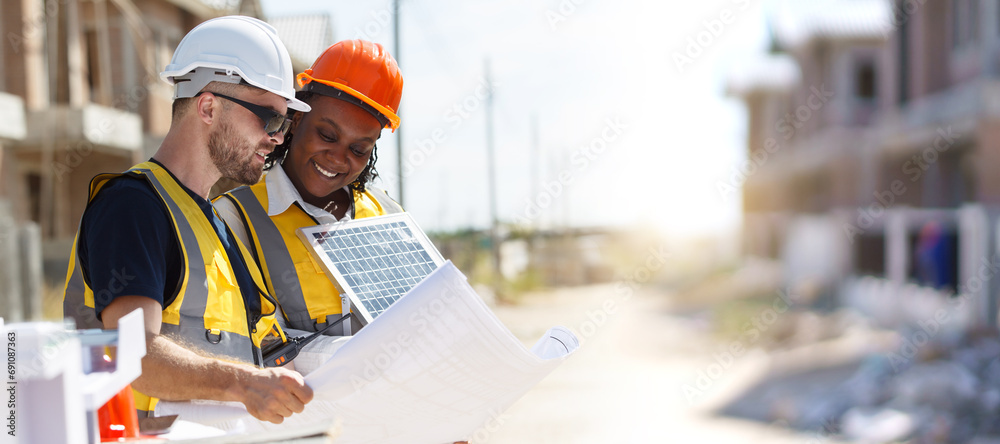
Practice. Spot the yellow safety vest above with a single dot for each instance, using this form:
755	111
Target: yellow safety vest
305	294
208	313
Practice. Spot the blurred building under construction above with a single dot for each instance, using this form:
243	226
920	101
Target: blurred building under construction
79	95
873	149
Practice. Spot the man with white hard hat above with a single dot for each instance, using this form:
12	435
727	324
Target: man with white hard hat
149	238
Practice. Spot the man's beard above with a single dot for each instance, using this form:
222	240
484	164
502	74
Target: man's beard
233	156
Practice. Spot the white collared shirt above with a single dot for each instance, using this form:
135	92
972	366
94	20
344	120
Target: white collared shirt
281	194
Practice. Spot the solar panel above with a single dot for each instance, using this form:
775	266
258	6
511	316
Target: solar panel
372	261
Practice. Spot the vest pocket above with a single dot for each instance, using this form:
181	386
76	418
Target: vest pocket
320	294
225	311
223	269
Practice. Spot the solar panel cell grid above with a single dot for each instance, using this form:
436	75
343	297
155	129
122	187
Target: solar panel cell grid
378	262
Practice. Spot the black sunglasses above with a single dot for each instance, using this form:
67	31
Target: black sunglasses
274	123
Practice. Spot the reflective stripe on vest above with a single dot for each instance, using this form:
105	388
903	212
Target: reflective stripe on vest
208	313
306	295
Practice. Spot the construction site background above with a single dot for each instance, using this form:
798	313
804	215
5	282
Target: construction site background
858	302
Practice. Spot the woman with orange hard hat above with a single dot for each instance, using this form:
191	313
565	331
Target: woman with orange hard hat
321	174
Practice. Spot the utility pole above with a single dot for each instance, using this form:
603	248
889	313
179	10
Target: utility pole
399	131
534	163
492	177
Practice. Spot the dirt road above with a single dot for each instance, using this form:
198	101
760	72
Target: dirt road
627	381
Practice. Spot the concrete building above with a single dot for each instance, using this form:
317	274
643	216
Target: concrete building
874	133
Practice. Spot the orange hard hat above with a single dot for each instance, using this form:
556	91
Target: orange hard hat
360	72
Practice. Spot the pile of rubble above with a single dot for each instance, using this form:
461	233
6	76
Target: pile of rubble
915	385
942	390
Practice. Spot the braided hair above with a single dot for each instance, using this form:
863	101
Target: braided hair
278	155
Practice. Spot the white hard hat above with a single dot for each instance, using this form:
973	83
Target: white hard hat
232	49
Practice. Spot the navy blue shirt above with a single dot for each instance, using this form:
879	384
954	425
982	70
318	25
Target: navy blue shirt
127	230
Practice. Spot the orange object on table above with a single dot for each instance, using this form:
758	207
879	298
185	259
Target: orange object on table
117	418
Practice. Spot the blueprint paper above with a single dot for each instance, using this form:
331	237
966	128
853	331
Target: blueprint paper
433	368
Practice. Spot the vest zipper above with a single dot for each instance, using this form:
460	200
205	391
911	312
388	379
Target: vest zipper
252	326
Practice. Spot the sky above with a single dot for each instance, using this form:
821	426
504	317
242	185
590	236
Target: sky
619	108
